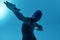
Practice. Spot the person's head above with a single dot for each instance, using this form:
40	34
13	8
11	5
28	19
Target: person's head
36	16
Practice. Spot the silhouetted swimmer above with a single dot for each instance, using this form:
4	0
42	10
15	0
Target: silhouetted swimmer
29	24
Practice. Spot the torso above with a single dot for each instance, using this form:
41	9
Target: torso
27	29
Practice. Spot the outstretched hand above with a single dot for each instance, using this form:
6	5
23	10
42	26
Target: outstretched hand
40	28
11	6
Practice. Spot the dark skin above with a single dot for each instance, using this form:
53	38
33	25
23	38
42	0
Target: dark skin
28	23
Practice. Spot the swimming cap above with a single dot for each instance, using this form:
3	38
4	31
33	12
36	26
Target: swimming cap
37	14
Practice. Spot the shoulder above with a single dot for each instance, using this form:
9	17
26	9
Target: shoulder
27	20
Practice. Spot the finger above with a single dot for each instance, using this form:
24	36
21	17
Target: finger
5	2
8	3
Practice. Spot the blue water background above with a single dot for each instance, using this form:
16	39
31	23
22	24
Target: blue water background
10	27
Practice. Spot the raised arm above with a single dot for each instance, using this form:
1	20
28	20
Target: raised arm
16	11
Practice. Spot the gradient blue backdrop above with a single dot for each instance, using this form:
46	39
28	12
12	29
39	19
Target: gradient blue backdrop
10	27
